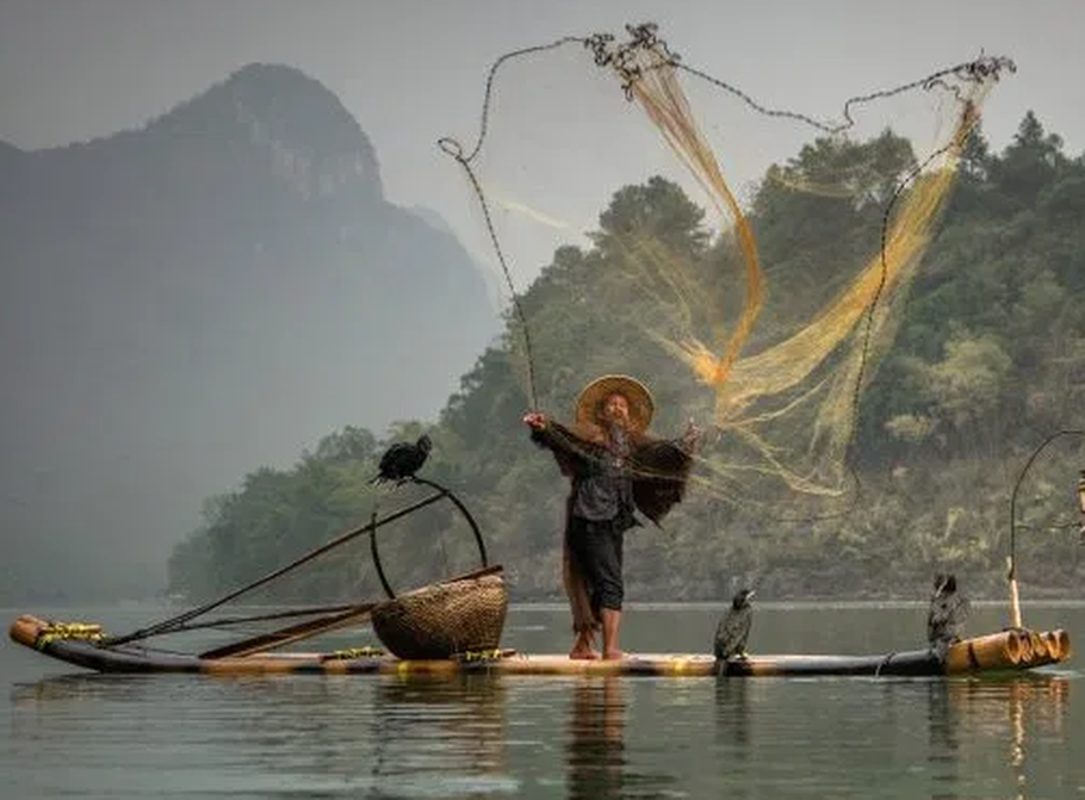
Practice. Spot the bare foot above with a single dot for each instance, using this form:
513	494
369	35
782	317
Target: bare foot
613	655
584	647
579	654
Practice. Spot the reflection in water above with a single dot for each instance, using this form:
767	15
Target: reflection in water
477	736
298	735
443	732
72	687
465	713
596	751
1022	709
944	740
609	757
733	715
733	740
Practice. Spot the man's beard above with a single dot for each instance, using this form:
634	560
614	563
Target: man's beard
617	425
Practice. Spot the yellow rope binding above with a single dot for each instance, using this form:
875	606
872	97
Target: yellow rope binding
354	652
482	655
84	631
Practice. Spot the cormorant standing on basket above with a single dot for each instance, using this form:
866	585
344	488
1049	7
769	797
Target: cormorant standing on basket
734	628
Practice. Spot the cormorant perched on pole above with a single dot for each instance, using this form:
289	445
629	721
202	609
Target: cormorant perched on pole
734	628
947	614
402	460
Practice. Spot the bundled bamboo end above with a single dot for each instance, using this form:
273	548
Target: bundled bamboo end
1027	653
1002	650
1009	649
1051	642
1058	644
25	629
1040	651
1047	647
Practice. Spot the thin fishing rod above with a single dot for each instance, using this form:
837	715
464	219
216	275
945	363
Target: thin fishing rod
1017	486
225	622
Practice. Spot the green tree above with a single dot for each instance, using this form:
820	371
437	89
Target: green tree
1030	162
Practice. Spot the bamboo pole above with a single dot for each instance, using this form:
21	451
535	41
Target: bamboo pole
225	622
1011	561
1015	599
180	619
291	634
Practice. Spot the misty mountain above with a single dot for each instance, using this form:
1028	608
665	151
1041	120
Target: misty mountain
216	290
494	285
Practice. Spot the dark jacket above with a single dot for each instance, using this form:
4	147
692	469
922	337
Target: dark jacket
649	476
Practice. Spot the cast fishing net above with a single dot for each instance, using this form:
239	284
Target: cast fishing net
749	264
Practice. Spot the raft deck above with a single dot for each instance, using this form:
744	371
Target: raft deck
1008	650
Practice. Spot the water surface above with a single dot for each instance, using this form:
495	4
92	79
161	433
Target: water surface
69	733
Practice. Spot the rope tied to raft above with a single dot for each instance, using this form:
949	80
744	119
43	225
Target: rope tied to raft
884	663
57	631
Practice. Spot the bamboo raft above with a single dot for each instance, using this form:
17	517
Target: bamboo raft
1010	650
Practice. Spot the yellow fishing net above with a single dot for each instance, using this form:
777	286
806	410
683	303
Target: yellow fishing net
765	320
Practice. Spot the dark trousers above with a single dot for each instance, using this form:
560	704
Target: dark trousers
597	548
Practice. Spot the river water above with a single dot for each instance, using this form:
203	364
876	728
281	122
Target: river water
71	734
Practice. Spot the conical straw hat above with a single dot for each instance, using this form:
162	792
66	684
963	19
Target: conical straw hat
641	405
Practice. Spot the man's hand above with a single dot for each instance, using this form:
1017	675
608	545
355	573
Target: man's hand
535	420
691	436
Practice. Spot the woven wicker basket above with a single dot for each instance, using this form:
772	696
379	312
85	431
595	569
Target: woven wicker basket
444	619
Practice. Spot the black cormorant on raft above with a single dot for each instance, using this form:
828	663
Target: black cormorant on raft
734	628
948	611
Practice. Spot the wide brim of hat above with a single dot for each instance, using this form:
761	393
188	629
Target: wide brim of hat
641	405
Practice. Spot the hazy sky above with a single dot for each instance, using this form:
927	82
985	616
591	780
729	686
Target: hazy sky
412	71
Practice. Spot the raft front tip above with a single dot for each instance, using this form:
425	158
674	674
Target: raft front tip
25	629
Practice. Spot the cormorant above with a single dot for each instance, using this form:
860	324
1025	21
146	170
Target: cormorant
402	460
947	614
734	628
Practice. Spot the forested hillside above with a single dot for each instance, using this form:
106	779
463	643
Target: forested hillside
988	361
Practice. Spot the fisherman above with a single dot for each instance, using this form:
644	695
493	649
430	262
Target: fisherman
615	469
